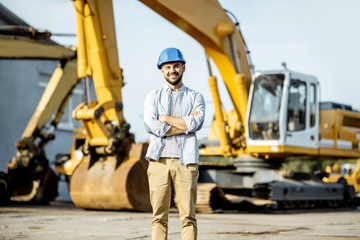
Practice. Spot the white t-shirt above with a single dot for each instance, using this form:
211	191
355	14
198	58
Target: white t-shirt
171	147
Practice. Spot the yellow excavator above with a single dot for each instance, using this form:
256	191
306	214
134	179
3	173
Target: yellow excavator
345	174
276	116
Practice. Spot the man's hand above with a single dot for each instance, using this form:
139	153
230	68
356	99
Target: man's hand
177	122
167	119
173	131
194	113
178	125
163	118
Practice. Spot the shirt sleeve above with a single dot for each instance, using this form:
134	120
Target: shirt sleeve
194	123
151	114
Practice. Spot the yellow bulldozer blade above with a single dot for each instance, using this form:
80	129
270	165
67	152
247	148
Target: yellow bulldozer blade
107	184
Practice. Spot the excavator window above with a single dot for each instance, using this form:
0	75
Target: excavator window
312	105
296	113
265	107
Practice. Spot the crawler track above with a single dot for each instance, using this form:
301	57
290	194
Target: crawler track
211	198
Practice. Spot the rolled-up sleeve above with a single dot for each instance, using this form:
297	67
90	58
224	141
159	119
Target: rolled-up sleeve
194	123
152	124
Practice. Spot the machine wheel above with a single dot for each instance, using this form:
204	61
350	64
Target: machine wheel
342	181
4	188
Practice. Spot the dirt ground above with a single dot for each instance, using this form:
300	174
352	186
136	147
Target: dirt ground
65	221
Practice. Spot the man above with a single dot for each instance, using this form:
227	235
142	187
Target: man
172	115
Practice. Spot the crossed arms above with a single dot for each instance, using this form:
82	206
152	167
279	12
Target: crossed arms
164	125
178	124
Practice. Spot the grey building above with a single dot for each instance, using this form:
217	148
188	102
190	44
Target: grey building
28	59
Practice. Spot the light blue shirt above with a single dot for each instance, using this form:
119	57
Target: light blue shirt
158	102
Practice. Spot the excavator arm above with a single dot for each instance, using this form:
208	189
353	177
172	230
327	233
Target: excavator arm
98	58
107	139
108	170
29	176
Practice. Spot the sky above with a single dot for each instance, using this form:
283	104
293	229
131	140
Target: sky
317	37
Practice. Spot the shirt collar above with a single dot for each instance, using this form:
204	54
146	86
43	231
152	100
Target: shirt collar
168	89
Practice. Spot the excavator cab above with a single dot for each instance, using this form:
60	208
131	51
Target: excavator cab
282	117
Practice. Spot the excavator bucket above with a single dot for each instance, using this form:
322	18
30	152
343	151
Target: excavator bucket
108	184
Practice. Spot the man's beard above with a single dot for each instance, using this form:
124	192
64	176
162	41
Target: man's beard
174	83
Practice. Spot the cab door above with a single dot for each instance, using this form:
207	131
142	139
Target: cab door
302	114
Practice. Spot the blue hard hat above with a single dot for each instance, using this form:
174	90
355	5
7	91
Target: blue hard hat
170	55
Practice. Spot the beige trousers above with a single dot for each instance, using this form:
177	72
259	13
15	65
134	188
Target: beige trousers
161	175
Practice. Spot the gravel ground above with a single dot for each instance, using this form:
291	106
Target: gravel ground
65	221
